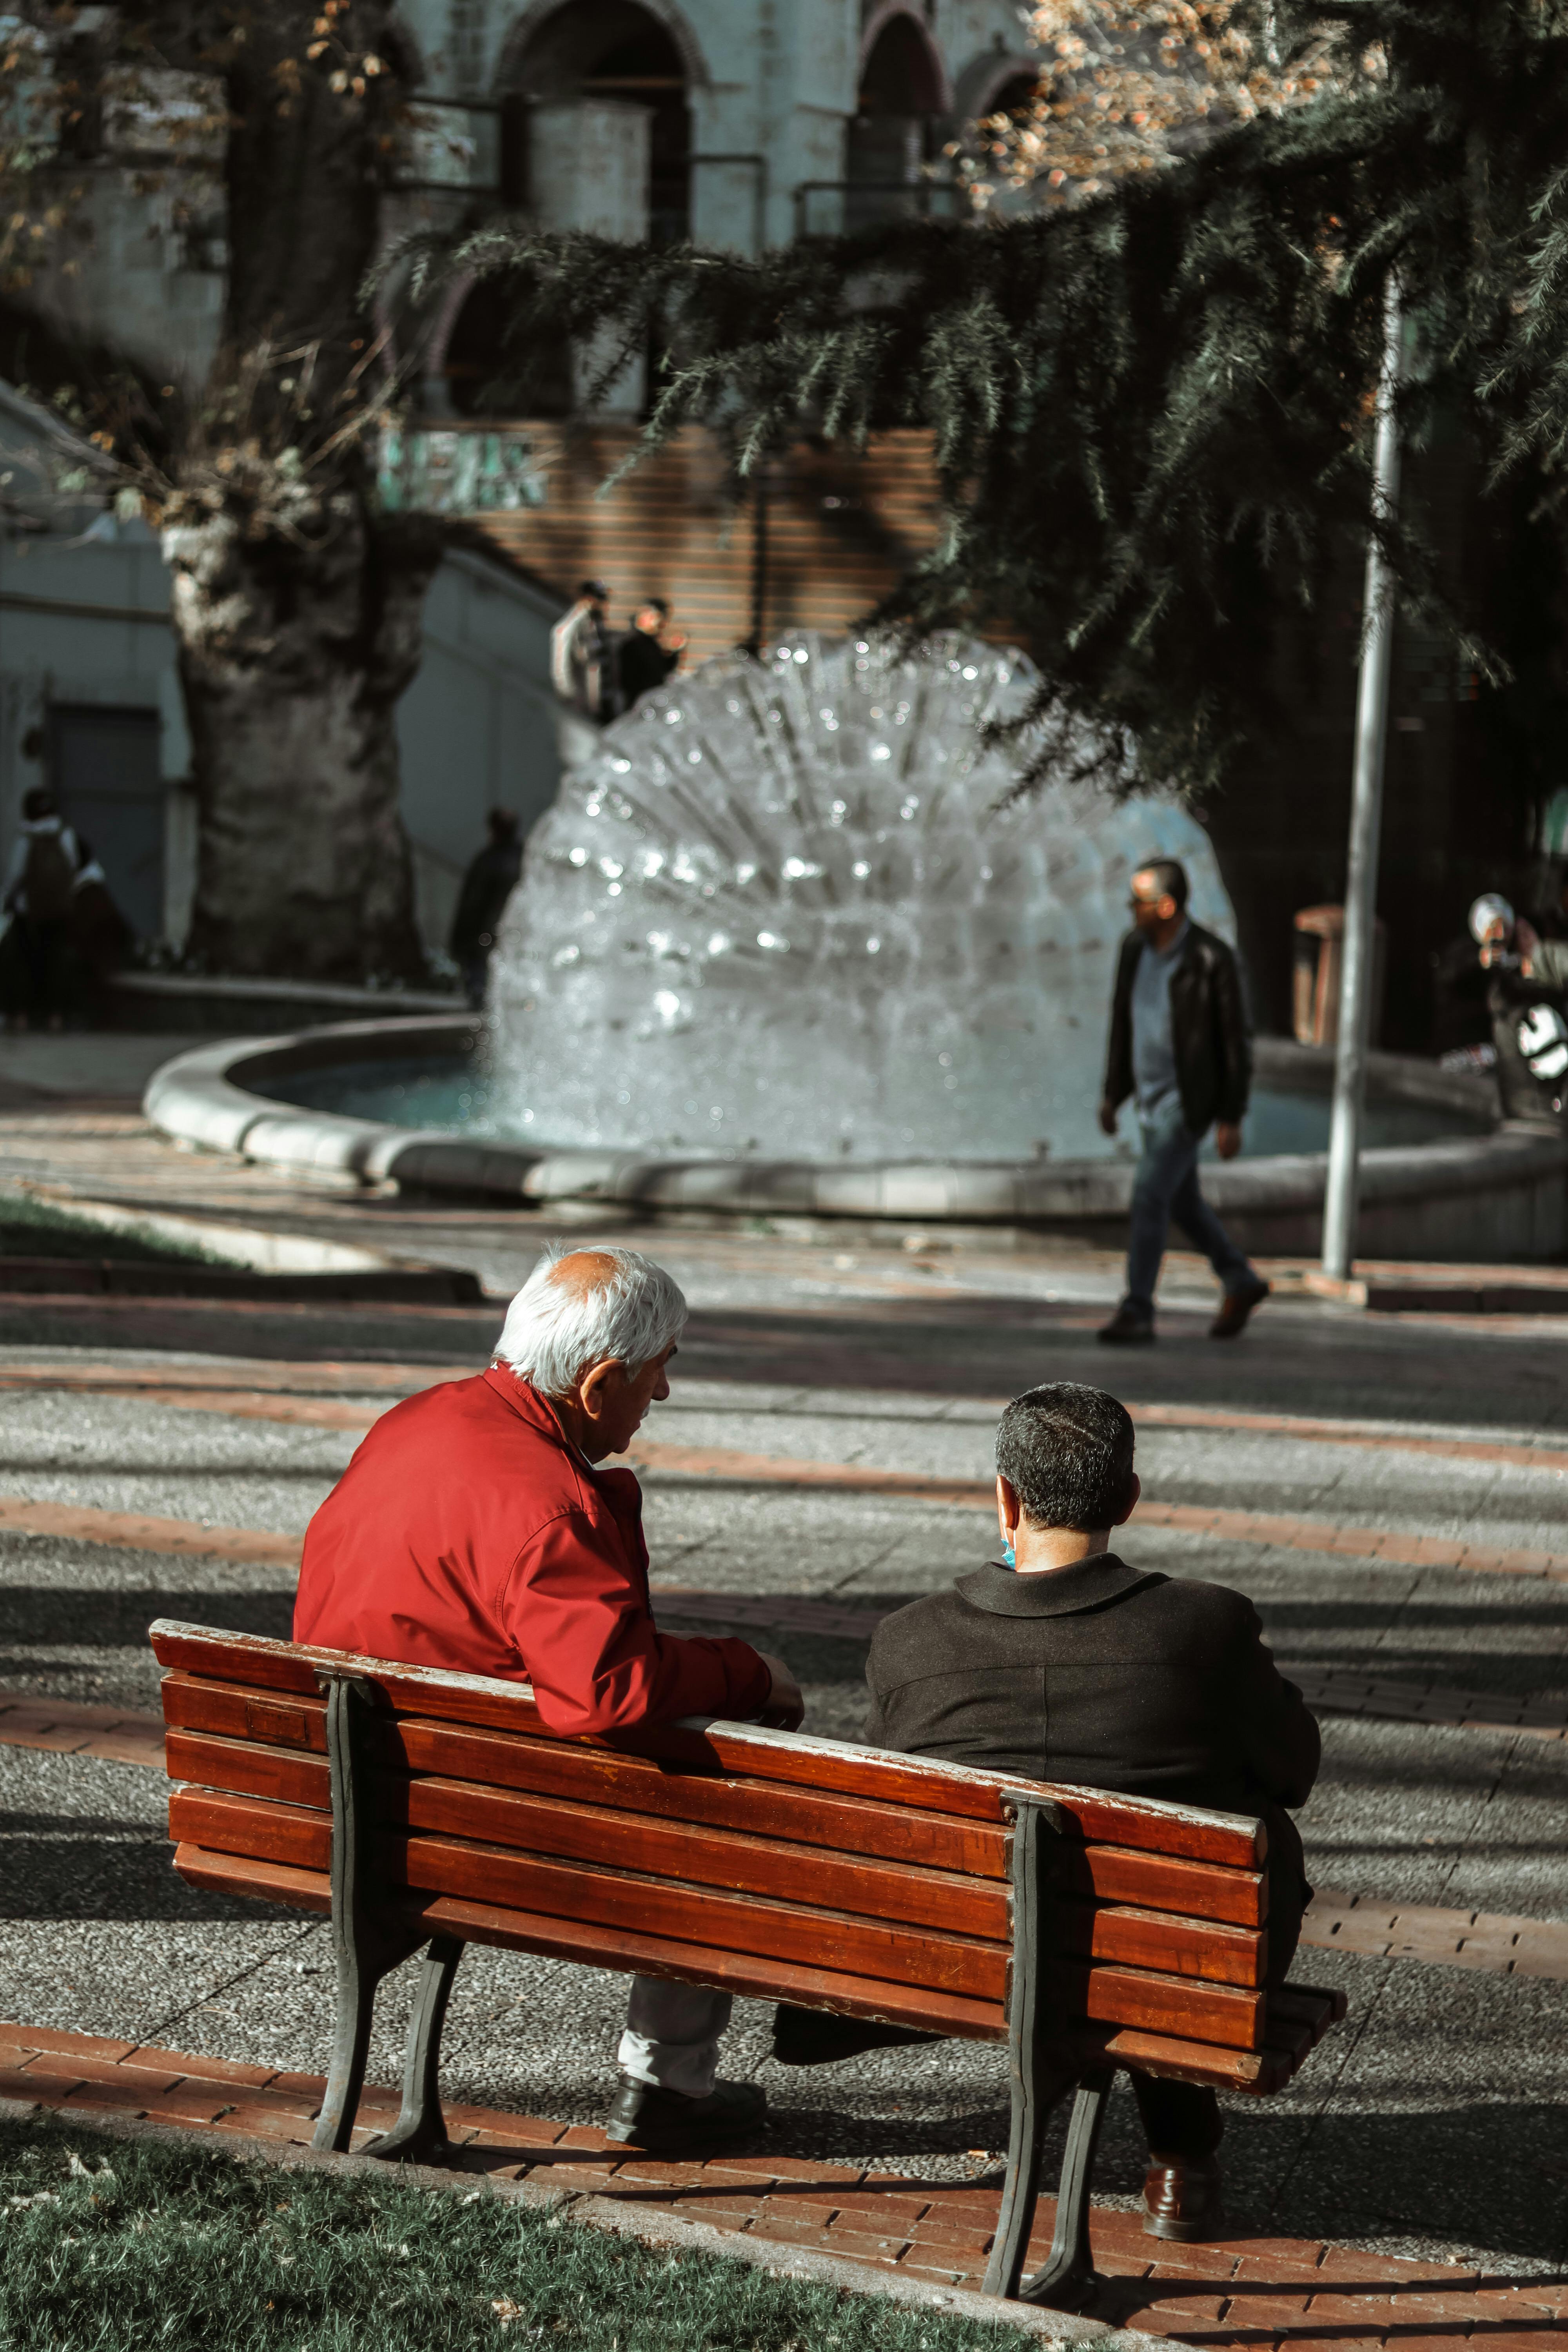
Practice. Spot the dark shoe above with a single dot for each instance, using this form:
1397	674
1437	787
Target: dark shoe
1231	1320
812	2037
1183	2200
667	2122
1127	1328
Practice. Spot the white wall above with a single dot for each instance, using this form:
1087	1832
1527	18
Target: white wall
89	623
478	726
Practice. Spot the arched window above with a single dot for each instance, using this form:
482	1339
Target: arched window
899	117
615	50
604	48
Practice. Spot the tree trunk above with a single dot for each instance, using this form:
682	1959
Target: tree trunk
292	658
296	604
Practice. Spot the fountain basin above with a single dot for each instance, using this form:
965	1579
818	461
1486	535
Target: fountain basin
1463	1187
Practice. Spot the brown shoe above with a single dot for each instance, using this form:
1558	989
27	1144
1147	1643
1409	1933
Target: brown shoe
1127	1328
1183	2200
1231	1320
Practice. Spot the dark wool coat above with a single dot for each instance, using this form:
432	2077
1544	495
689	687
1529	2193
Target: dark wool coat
1208	1030
1104	1677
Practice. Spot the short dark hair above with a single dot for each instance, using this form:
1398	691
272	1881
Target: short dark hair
1067	1453
502	825
595	591
37	800
1169	873
654	604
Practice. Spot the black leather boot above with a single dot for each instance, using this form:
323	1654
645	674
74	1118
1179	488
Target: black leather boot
1182	2199
667	2122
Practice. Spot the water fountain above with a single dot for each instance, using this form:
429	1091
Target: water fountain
789	943
786	910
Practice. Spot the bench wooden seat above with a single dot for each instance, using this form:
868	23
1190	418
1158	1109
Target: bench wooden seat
1085	1930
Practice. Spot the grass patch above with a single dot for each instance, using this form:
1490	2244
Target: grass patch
119	2245
30	1228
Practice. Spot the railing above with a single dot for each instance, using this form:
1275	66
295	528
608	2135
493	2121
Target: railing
862	203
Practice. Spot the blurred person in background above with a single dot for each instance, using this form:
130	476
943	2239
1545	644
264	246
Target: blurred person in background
1506	976
488	885
64	928
583	655
649	653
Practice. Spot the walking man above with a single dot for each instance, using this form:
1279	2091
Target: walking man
1180	1046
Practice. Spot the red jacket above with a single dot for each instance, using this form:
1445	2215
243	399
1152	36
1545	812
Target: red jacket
467	1532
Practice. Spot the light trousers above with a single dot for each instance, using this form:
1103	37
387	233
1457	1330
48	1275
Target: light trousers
672	2036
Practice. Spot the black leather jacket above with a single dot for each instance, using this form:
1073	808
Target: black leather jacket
1208	1029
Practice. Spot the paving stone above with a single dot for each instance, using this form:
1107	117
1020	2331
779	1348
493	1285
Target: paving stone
87	2045
265	2123
855	2245
1170	2308
1265	2311
234	2071
35	2085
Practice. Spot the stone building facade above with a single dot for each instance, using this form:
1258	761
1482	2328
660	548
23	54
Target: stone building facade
742	123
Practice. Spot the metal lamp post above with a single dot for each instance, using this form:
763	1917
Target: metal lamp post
1341	1197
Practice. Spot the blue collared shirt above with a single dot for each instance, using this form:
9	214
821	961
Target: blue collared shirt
1153	1048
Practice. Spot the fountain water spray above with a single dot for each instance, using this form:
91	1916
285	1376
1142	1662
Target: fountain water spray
781	912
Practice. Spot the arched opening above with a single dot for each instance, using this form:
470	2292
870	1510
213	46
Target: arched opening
604	50
578	170
900	111
484	361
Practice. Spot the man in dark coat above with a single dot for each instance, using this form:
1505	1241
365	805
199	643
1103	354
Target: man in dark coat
1059	1662
488	885
644	657
1179	1045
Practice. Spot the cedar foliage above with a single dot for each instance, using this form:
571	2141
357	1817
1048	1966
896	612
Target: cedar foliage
1151	409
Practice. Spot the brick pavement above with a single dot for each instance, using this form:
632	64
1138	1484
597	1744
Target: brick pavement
1242	2291
313	1394
720	1466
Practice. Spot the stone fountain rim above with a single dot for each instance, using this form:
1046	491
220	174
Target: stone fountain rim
210	1096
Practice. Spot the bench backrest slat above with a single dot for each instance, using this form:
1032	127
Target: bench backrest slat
938	1900
826	1766
878	1883
866	1948
620	1787
764	1978
601	1777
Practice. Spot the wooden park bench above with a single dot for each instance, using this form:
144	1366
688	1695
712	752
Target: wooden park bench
1086	1931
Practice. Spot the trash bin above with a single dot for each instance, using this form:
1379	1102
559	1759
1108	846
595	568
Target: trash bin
1320	954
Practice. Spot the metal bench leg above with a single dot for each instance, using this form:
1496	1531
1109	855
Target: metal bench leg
350	2040
419	2135
365	1943
1066	2280
1038	2085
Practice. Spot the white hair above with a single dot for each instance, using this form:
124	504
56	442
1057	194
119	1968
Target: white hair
554	1332
1490	909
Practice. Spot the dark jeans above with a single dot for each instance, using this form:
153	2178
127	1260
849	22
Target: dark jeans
1182	2120
1166	1186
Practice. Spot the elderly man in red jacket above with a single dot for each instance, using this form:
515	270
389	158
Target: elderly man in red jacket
474	1530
